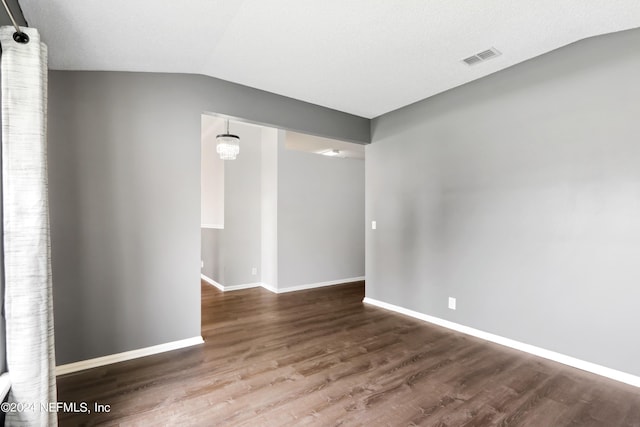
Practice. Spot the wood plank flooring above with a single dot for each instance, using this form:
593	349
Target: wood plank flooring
321	357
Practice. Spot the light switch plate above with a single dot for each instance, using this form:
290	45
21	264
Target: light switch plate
373	225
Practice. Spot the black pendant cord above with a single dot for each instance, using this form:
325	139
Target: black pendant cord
19	36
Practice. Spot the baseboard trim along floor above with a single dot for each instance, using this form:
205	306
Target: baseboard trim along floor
507	342
280	290
127	355
318	285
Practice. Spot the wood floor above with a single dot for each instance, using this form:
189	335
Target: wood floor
321	357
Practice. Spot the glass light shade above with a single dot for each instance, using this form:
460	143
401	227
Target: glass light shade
227	146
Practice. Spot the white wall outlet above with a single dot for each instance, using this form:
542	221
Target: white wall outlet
452	303
201	264
254	271
373	225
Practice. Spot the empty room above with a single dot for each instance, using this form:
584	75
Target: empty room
356	213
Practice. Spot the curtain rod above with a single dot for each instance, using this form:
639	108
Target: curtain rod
19	35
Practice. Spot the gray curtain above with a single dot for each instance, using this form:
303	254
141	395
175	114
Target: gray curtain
27	253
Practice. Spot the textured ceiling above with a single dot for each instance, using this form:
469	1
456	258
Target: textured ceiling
365	57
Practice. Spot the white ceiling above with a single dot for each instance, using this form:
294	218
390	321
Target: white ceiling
365	57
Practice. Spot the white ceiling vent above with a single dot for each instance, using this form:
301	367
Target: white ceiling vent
482	56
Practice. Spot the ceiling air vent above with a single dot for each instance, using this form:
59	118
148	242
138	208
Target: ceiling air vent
472	60
482	56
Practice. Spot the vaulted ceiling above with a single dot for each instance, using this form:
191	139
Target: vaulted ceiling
365	57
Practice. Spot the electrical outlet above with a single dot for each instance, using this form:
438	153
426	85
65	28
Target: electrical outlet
201	264
254	271
452	303
373	225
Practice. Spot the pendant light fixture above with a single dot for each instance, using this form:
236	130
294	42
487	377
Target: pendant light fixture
227	145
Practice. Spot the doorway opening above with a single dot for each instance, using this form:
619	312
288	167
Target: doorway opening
286	214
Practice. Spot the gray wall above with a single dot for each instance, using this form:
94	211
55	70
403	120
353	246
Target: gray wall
212	174
241	236
229	254
518	194
269	206
211	253
320	218
17	14
124	170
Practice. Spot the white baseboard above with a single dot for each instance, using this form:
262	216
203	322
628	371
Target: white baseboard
507	342
210	281
242	286
127	355
269	288
280	290
224	288
216	226
318	285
